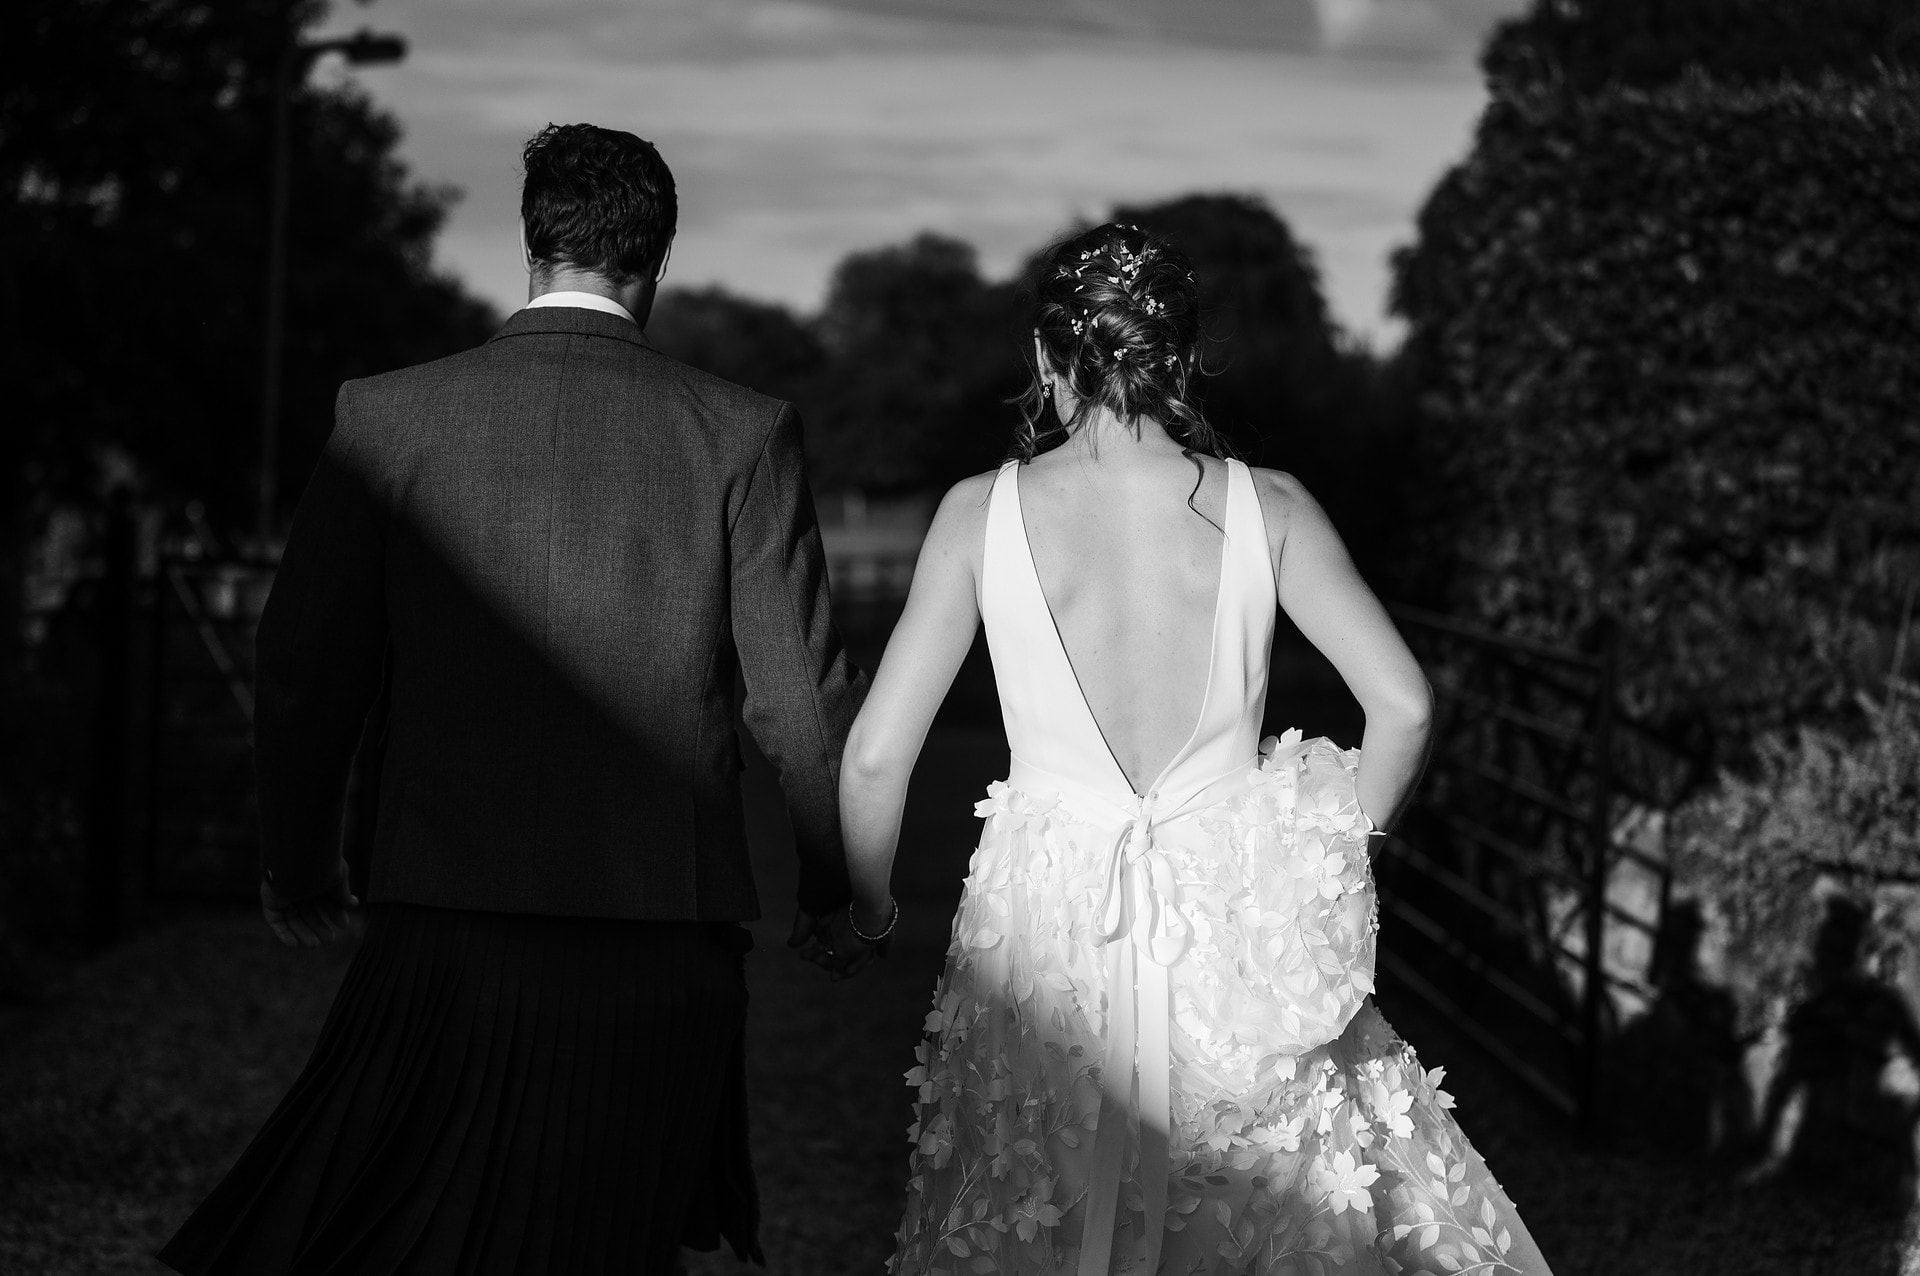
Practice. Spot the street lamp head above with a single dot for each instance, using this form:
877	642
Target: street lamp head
364	48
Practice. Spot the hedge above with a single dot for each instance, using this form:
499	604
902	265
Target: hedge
1669	344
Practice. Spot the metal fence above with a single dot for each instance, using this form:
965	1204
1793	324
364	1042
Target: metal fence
1527	904
201	839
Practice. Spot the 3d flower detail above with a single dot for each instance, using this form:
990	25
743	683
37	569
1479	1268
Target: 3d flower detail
1391	1108
1321	867
1010	809
1344	1183
1327	809
1033	1211
1431	1081
936	1140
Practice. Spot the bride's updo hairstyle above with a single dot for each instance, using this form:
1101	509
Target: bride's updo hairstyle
1118	315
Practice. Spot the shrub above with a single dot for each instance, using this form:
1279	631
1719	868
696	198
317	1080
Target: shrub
1666	340
1823	815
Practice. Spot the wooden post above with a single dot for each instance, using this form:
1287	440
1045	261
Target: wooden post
1599	849
107	799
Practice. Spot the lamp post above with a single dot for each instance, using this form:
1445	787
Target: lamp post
363	48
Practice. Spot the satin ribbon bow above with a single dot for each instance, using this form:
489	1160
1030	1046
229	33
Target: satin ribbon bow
1138	914
1140	889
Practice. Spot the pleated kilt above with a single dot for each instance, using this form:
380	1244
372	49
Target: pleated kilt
496	1093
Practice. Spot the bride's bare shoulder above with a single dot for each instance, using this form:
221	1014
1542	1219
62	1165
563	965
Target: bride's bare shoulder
960	522
1282	496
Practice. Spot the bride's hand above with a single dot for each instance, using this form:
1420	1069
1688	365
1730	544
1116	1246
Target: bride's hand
830	943
871	920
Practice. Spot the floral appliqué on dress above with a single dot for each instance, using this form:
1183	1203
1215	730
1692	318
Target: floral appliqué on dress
1306	1138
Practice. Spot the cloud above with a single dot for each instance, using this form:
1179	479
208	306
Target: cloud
800	132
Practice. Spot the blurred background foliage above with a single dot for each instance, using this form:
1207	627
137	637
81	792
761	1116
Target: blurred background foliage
134	194
904	375
1663	331
134	148
1584	45
134	161
1666	346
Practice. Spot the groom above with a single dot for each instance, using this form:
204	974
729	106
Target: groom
552	560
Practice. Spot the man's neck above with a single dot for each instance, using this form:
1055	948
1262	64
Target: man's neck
635	296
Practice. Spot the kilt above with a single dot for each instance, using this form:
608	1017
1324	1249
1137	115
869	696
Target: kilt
503	1093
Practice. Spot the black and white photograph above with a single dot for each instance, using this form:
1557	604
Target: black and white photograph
949	637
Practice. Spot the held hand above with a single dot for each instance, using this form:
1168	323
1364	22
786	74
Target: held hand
313	922
830	943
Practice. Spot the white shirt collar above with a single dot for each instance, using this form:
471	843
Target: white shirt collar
584	300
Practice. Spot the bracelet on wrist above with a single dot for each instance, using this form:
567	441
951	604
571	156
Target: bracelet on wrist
892	921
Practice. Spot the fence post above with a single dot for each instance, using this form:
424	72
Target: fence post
157	673
1599	847
107	805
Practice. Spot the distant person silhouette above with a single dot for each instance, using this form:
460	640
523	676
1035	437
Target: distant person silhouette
1850	1131
1679	1063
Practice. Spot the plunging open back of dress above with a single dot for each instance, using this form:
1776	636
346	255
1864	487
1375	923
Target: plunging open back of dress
1152	1049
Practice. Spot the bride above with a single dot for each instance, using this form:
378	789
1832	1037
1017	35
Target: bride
1153	1048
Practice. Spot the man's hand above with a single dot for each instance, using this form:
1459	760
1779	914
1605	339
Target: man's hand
311	922
829	943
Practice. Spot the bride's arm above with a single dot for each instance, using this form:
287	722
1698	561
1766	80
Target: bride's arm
925	651
1324	595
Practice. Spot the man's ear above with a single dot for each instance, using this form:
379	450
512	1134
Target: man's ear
526	254
660	271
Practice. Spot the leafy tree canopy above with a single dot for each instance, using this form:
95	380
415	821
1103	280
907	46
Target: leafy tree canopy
1285	388
924	354
1666	341
134	170
753	343
1587	43
904	376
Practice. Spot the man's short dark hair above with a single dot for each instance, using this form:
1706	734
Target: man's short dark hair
597	199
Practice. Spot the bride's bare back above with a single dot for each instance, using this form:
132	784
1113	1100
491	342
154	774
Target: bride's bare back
1131	573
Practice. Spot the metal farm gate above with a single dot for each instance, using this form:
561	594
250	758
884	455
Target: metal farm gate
202	839
1525	891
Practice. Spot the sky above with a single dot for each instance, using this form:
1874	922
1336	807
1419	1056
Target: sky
799	131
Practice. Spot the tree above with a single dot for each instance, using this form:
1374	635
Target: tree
134	141
924	354
752	343
1586	44
1286	390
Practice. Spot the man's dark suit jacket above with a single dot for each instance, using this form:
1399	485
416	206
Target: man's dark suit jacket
556	554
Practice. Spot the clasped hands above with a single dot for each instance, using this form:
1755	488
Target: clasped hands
830	941
312	922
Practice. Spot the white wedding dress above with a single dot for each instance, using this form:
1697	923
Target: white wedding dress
1153	1048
